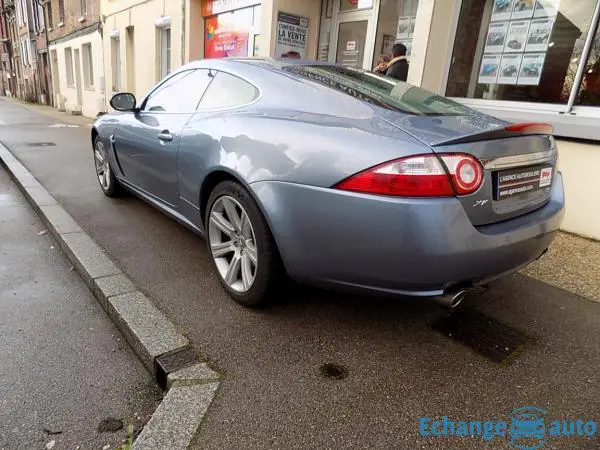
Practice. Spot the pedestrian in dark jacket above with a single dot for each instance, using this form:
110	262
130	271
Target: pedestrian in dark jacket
398	66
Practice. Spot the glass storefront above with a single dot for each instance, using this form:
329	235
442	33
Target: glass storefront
525	51
234	32
355	33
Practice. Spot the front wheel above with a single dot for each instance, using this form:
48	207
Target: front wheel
106	177
241	245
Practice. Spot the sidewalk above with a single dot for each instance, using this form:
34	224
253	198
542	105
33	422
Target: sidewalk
65	367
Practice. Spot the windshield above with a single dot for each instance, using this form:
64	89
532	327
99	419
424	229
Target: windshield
380	90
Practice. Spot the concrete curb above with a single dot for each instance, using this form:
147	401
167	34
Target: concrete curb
166	353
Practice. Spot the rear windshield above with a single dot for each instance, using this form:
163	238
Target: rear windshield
380	90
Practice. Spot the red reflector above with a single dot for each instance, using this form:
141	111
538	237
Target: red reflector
531	128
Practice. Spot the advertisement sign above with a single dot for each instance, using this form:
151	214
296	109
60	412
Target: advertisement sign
517	37
539	35
292	33
212	7
488	73
502	10
496	37
523	9
531	69
223	44
403	30
509	69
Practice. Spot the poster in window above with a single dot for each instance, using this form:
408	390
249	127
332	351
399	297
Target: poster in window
539	35
531	69
509	69
517	36
546	8
291	35
411	29
502	10
220	44
523	9
488	73
403	30
496	37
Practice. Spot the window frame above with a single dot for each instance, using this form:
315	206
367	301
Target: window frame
228	108
115	56
69	68
61	12
87	56
49	14
553	113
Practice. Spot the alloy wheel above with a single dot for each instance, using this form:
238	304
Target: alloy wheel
233	244
102	165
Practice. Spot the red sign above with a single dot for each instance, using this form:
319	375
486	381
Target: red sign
222	44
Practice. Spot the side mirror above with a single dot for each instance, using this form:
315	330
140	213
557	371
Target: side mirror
123	102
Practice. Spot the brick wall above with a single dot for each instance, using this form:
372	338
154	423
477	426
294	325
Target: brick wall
73	19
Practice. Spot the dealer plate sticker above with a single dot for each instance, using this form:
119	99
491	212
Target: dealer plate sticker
522	181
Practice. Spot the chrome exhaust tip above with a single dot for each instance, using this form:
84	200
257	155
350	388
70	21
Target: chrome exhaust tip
452	299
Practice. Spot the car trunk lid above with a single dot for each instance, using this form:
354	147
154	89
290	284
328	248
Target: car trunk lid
519	161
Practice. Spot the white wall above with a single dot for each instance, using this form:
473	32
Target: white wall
141	15
92	98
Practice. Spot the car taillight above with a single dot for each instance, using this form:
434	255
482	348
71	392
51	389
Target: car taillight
530	128
419	176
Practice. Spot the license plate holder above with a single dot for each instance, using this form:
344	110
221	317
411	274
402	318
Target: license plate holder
522	180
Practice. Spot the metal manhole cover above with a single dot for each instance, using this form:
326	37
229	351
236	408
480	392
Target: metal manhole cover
41	144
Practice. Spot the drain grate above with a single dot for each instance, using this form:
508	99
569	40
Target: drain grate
41	144
488	337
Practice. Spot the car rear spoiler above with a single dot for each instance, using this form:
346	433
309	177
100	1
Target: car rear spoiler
513	130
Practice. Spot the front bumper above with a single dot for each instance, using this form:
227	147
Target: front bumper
395	245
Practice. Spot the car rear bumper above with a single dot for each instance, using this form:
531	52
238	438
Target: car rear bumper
404	246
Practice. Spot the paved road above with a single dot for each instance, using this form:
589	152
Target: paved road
400	367
64	366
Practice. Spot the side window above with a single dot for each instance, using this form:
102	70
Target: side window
179	94
227	91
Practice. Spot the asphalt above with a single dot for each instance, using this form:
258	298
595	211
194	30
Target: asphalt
400	366
65	368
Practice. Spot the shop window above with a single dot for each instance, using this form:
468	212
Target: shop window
69	66
88	66
525	50
116	64
396	24
179	94
227	91
350	5
233	33
589	92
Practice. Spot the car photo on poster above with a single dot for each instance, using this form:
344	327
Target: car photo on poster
531	70
540	38
495	38
514	44
501	6
510	71
489	70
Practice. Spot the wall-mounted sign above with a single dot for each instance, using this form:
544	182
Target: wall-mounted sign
212	7
292	34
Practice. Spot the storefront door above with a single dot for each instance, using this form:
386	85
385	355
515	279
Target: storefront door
354	26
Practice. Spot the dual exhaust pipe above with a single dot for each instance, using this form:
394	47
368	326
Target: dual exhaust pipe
452	298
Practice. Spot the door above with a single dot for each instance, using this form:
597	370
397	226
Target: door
146	143
78	78
353	34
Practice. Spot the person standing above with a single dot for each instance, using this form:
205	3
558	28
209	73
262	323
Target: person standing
398	67
382	64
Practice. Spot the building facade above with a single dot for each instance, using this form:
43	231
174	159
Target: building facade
520	60
76	56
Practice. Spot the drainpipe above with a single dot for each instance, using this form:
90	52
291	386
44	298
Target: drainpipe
183	33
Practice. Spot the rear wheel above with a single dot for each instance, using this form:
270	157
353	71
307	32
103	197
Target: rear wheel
106	177
241	245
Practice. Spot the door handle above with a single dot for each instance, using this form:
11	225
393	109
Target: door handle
165	136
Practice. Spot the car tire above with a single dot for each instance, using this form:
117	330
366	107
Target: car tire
257	279
104	172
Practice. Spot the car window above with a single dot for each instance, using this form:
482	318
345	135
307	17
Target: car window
380	90
227	91
179	94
